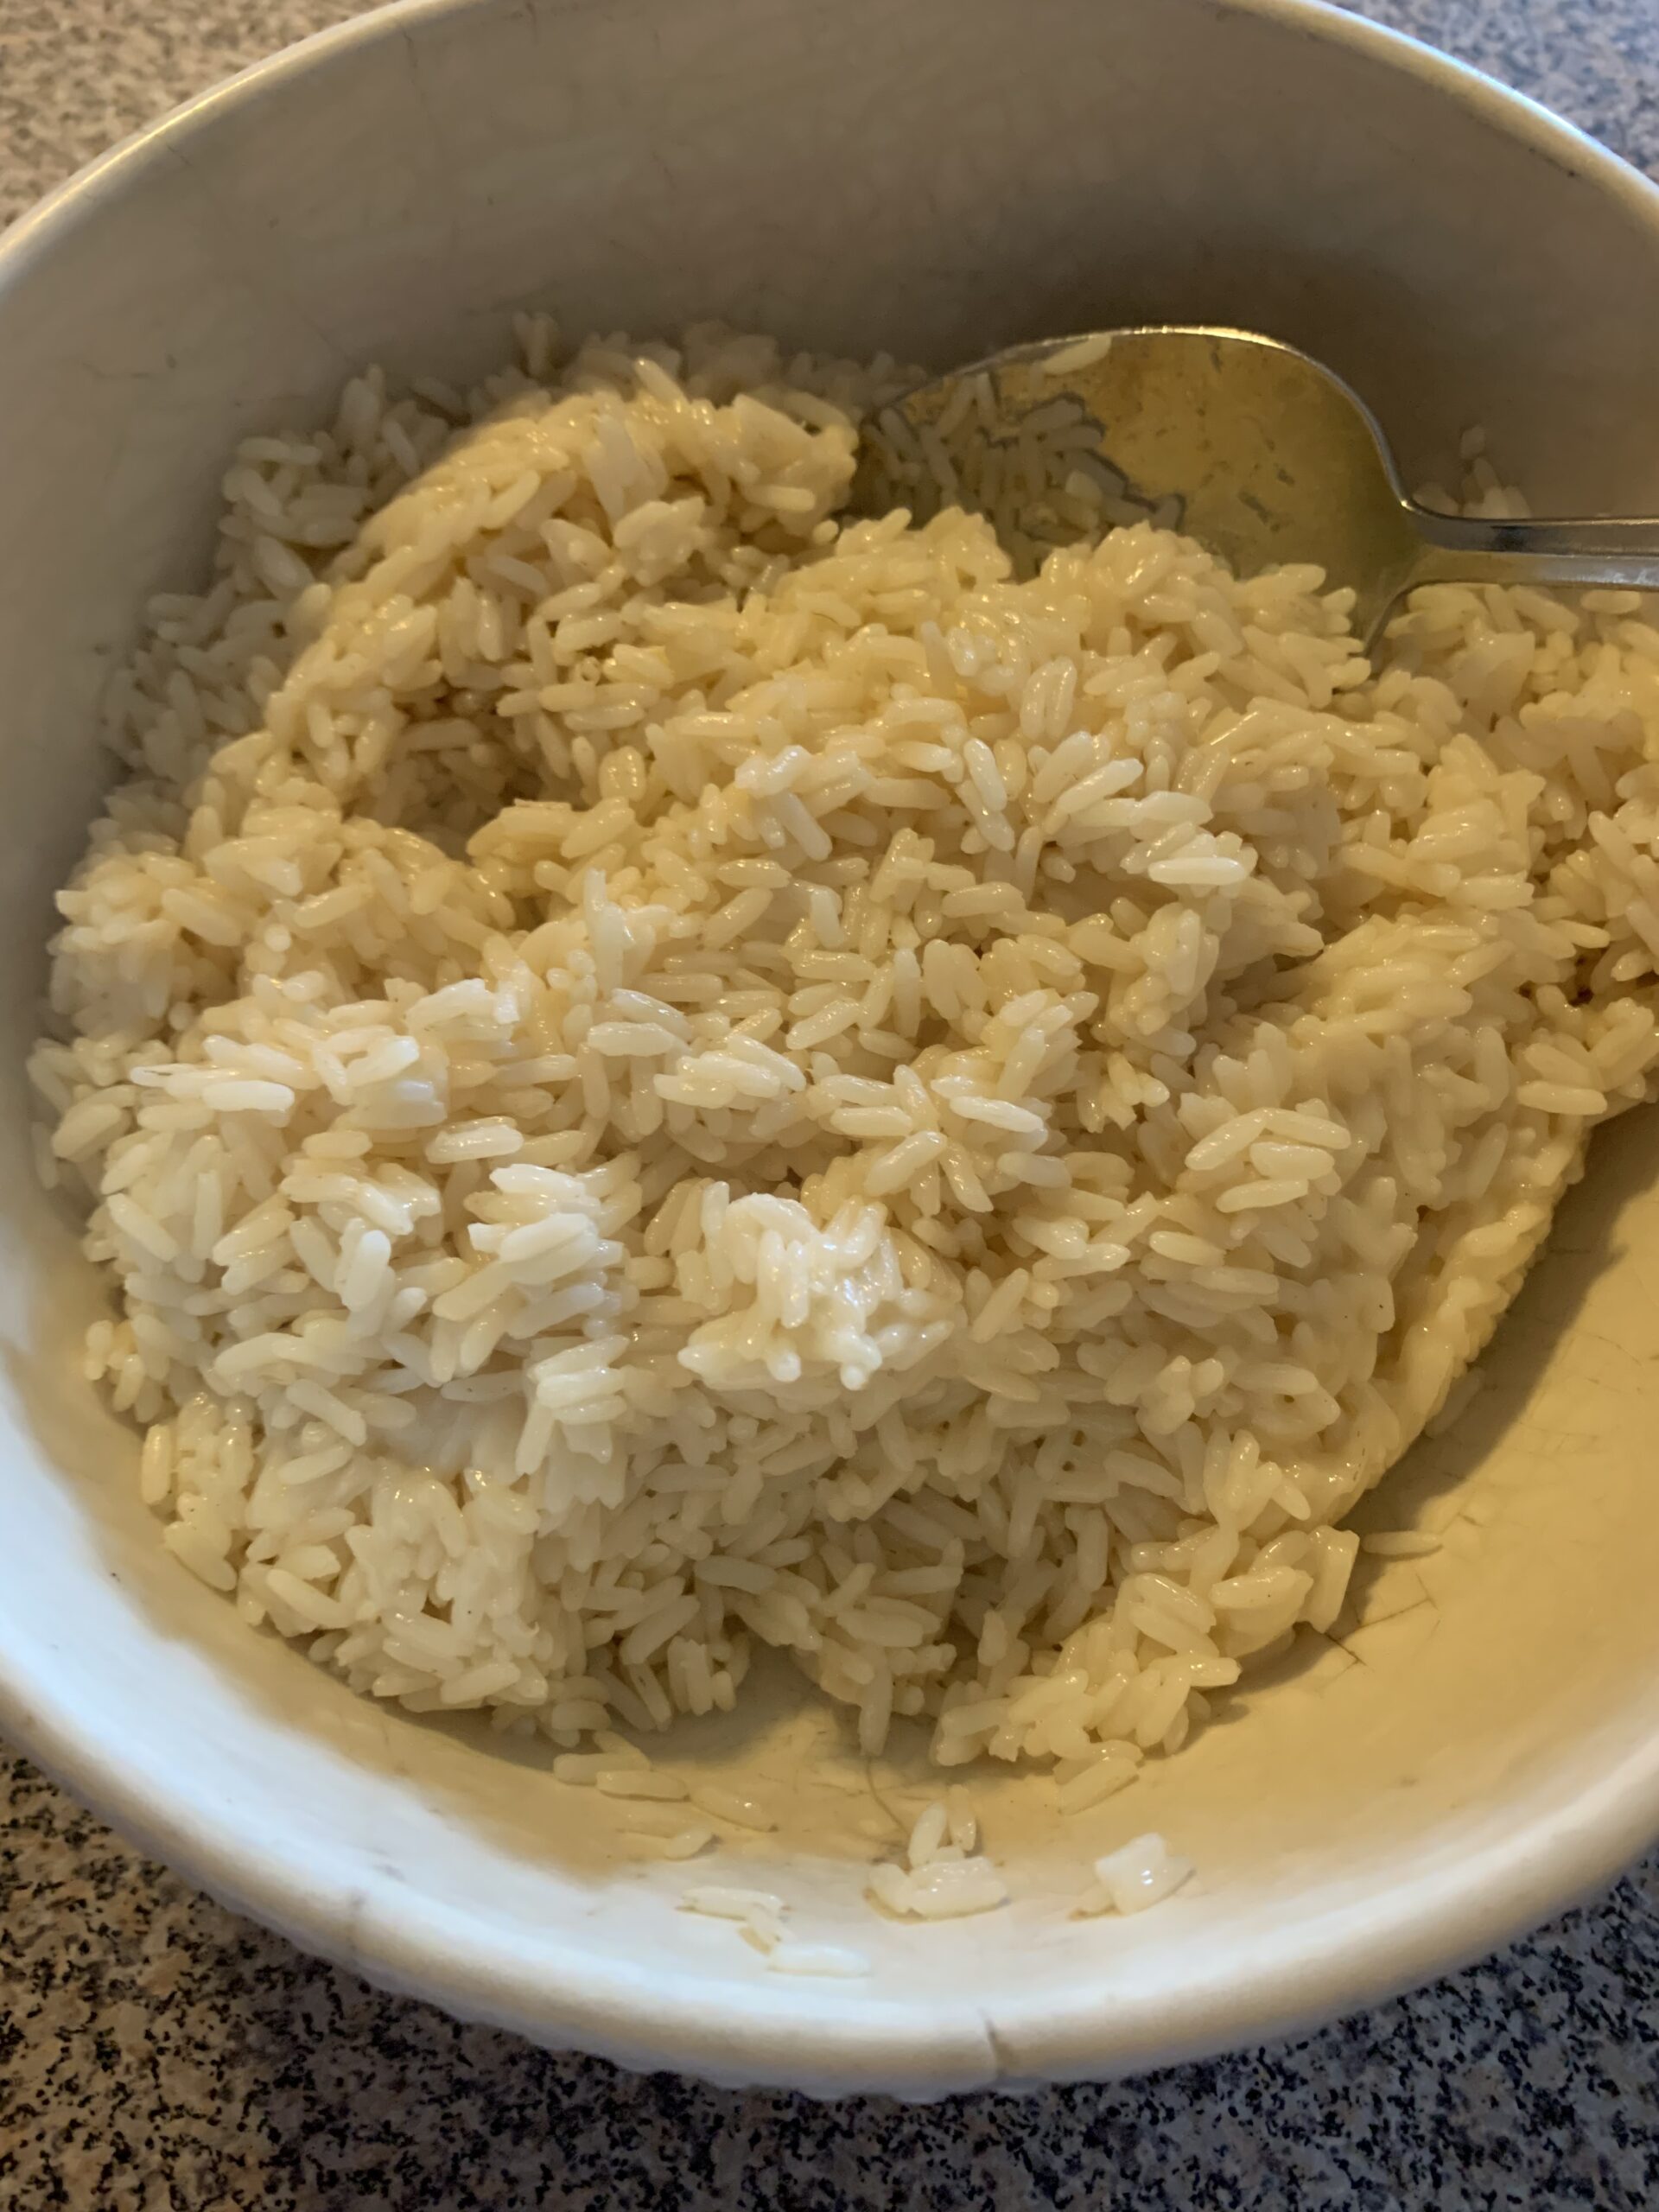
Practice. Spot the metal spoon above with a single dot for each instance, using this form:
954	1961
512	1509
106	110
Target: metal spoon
1245	444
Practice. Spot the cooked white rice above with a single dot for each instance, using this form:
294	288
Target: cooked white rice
656	1075
761	1919
944	1877
1139	1873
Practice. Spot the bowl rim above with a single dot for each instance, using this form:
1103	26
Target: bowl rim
919	2051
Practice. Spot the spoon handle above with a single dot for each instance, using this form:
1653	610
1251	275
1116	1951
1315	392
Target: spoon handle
1473	549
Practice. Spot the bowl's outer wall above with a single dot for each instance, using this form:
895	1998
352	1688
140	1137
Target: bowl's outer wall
935	178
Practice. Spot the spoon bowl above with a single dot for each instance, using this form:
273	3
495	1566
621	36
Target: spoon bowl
1260	452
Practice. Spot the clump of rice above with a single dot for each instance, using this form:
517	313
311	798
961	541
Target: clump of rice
1139	1873
944	1877
657	1074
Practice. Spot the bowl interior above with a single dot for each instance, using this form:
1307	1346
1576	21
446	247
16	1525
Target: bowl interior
935	180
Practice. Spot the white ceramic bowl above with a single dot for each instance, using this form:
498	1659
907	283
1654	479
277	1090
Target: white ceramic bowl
934	176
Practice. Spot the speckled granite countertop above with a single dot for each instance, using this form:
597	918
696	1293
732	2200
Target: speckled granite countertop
158	2056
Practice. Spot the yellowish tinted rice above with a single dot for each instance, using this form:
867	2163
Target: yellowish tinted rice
655	1075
